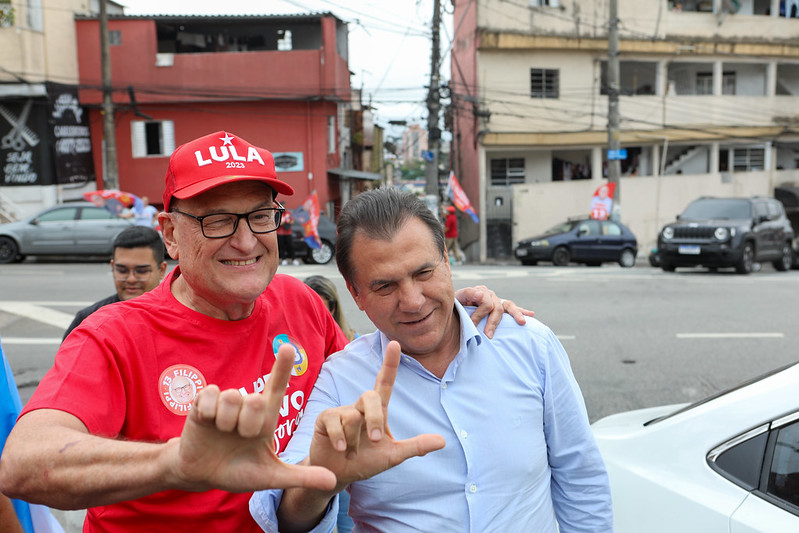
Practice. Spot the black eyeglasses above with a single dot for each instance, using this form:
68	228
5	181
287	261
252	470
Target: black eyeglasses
221	225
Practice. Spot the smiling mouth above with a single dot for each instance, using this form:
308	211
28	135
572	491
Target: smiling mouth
415	322
240	263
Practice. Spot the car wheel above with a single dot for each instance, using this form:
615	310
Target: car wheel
627	258
784	263
9	251
561	256
323	254
747	262
667	267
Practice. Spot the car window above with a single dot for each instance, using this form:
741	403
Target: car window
58	215
743	462
761	210
719	208
610	228
563	227
589	227
774	210
95	213
783	479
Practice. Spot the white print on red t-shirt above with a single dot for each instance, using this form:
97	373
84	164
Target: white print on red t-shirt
179	385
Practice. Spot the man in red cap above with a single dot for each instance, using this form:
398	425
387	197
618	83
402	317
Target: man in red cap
151	415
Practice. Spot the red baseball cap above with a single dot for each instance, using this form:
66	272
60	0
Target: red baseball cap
216	159
450	209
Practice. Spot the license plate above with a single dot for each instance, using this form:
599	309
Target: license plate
689	250
520	252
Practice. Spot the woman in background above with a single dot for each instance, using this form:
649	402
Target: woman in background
327	291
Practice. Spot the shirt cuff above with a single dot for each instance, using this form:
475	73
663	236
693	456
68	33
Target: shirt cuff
263	508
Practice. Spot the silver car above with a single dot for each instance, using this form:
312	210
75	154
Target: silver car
78	228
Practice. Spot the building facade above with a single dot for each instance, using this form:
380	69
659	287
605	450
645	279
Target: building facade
45	150
278	81
707	93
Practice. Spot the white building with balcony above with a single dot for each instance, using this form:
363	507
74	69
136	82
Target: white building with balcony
709	105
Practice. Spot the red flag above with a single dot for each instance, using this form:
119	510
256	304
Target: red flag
602	201
308	215
459	198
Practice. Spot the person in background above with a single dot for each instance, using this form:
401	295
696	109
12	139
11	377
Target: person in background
451	234
137	264
326	290
285	239
142	213
496	429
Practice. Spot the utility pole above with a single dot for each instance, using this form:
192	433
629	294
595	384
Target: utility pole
111	174
433	107
614	165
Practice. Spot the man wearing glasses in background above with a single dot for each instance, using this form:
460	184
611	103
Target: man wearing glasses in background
104	428
138	266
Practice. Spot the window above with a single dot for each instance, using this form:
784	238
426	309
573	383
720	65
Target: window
284	40
704	83
544	83
59	215
34	14
331	135
114	38
507	171
95	213
152	138
546	3
610	228
783	476
748	159
6	14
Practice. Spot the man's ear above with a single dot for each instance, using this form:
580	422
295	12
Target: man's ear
168	233
355	294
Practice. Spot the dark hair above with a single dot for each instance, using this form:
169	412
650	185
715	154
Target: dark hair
327	290
140	237
380	214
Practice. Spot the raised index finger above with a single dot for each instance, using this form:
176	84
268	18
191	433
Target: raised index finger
275	387
384	383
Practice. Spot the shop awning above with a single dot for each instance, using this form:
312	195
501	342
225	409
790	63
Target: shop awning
355	174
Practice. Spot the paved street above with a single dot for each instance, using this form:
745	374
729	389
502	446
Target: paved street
636	337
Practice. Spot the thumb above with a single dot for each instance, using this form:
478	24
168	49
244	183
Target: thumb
417	446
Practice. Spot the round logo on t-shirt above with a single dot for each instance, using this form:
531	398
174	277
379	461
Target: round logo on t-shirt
178	386
300	357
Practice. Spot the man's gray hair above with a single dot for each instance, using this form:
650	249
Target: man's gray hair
380	214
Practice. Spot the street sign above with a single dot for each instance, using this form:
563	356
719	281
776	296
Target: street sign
427	155
621	153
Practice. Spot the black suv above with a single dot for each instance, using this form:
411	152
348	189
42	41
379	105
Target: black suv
728	232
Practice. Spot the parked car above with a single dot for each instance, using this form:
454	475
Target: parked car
322	255
728	232
581	240
724	464
78	228
788	195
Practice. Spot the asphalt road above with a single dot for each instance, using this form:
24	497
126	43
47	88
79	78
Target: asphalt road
636	337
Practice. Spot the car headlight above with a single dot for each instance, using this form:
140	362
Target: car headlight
721	234
668	233
543	242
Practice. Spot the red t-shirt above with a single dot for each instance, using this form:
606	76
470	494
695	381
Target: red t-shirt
451	226
131	370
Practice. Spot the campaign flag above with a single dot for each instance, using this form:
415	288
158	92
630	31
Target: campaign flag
34	518
602	201
459	198
308	215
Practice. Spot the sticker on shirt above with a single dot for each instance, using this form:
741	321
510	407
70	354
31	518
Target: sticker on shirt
300	357
178	386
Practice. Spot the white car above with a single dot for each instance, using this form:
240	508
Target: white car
726	464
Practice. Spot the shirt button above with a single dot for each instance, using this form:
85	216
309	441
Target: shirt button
472	488
443	385
464	434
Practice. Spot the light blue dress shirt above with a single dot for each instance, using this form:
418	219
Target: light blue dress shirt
519	456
